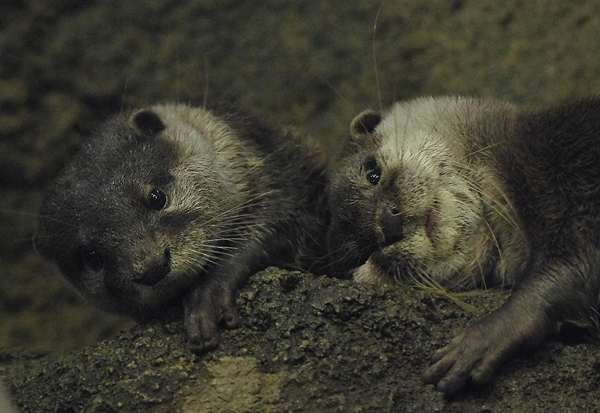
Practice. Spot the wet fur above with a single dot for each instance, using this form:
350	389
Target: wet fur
516	200
241	195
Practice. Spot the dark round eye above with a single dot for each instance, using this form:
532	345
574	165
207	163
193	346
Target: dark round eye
374	176
157	199
92	260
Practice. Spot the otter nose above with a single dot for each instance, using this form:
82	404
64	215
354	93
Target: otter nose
392	225
155	270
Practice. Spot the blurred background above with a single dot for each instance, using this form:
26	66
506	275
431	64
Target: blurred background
66	66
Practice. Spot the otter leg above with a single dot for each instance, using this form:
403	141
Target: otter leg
564	292
212	301
476	353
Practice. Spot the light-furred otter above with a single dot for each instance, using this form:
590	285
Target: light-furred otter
470	193
176	201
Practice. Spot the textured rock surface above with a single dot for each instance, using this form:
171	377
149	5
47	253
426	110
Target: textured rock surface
67	65
307	344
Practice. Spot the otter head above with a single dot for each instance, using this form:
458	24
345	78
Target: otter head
402	206
140	212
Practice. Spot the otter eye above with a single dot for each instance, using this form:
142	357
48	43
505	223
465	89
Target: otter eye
157	199
374	176
92	260
373	170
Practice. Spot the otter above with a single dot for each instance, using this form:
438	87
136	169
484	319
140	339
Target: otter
177	203
471	193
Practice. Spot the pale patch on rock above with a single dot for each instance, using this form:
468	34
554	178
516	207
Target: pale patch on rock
236	385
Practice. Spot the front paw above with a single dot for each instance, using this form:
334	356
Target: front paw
476	354
472	356
205	308
366	273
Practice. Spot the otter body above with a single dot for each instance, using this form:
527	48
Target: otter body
178	202
468	193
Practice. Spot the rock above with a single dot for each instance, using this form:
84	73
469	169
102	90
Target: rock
307	343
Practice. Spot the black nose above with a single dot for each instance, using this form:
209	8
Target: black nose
156	270
392	225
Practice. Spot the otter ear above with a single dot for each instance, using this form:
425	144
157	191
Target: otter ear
147	121
365	122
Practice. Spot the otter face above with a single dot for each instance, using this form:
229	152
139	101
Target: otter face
403	207
138	213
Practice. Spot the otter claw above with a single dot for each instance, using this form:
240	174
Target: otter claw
205	307
231	318
450	372
201	332
438	355
200	345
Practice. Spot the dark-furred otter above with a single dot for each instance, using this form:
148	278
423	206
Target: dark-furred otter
176	201
469	192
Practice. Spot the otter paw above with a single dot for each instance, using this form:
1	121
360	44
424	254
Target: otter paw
201	331
205	308
473	356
